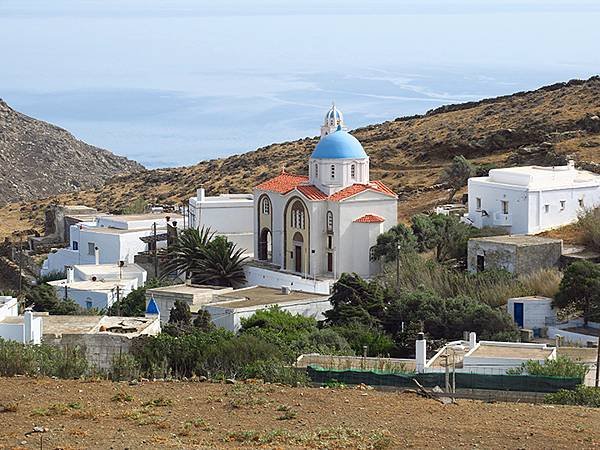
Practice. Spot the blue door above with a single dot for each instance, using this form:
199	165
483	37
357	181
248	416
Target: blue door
519	314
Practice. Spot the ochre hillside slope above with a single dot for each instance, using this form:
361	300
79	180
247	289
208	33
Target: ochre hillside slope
409	154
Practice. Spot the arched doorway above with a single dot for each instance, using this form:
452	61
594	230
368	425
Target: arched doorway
298	242
265	245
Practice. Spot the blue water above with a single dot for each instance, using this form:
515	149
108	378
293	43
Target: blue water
172	83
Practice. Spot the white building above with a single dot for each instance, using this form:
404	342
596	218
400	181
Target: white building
532	313
25	329
531	199
228	215
99	286
228	309
327	222
107	240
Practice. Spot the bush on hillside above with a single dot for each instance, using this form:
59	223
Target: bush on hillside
562	367
582	396
45	360
589	224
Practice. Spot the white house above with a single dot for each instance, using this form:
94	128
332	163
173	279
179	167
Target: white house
99	286
107	240
25	329
531	199
327	222
229	215
228	309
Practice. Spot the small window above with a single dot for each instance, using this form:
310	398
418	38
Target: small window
266	206
330	242
298	217
372	253
329	222
88	304
478	204
353	171
91	248
75	245
316	171
504	207
332	171
562	205
581	203
546	208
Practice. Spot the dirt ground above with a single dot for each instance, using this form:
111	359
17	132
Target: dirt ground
106	415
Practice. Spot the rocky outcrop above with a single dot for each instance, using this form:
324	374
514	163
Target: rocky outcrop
38	159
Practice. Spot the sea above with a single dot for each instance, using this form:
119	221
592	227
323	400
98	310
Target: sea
171	83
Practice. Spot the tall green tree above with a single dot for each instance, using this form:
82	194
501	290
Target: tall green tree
458	174
580	288
356	300
447	235
398	239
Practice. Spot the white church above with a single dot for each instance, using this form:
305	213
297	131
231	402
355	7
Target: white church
325	223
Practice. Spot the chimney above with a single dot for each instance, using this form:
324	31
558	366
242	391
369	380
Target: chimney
472	340
70	274
97	255
200	193
421	353
28	327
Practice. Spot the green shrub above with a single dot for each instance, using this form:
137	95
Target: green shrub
582	396
589	224
562	367
124	367
274	371
33	360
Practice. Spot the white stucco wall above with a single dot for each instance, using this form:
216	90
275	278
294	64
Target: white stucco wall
229	215
230	318
256	276
537	313
527	211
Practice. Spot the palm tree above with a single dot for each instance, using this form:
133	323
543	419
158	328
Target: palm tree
183	255
221	264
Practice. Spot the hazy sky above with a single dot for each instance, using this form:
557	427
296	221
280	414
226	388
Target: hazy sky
175	82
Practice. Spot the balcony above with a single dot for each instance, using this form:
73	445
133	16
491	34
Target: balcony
502	220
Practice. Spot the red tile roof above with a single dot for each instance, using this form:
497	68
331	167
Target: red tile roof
286	182
370	218
311	192
282	183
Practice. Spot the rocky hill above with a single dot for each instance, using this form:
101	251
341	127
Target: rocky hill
545	126
38	159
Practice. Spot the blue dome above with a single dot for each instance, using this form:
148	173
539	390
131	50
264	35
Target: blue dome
152	307
339	145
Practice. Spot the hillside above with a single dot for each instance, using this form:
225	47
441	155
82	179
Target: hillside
38	159
545	126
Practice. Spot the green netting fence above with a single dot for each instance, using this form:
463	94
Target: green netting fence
521	383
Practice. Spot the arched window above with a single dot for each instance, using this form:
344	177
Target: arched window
298	216
353	171
372	253
266	206
329	222
316	171
333	171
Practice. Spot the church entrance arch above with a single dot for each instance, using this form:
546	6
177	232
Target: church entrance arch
298	242
265	245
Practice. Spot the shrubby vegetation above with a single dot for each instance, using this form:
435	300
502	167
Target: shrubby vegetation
589	224
562	367
34	360
580	288
582	396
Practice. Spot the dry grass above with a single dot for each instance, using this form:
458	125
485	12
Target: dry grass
544	282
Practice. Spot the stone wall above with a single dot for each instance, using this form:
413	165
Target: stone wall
535	257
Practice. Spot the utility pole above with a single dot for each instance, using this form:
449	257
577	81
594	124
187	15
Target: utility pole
118	299
398	265
155	252
597	365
